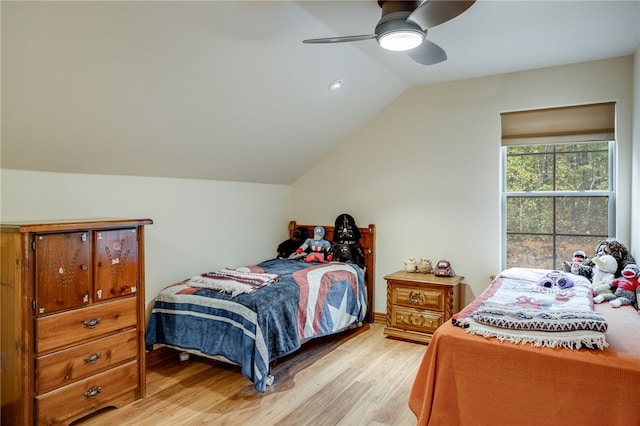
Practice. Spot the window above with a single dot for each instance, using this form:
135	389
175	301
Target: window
558	190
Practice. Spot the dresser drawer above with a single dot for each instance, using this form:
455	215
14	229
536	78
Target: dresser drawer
417	320
87	394
67	366
68	328
419	297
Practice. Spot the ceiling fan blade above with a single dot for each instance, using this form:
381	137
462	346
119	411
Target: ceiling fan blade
435	12
428	53
340	39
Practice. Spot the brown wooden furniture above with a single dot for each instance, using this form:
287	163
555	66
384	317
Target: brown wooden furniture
73	316
419	303
368	243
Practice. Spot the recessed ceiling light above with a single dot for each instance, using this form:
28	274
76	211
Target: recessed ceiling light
335	84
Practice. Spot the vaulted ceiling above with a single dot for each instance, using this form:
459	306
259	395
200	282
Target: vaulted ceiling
226	90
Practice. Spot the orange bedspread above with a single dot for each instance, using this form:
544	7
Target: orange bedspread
466	379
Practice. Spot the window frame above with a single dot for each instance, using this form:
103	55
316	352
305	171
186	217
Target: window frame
504	195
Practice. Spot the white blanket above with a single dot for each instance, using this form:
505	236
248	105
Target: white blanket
516	309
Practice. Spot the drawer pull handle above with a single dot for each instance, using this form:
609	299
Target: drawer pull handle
416	297
93	392
93	358
91	323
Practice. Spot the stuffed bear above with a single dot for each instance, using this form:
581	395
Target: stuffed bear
288	247
318	245
603	275
627	286
609	246
346	241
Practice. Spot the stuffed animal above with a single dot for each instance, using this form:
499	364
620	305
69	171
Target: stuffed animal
410	264
603	275
627	286
346	241
609	246
318	245
341	253
288	247
424	266
556	280
578	256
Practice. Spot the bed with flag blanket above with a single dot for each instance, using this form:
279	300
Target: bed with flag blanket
251	329
253	315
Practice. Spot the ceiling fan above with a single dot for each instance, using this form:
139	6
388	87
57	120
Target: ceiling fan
404	24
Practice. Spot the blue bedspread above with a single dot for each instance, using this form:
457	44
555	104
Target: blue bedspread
251	330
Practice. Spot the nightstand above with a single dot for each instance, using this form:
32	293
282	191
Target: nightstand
418	303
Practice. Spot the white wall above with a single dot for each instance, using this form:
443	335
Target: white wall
635	208
426	170
199	225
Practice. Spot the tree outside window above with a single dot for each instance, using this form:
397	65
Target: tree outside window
557	198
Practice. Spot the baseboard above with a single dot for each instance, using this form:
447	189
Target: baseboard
379	317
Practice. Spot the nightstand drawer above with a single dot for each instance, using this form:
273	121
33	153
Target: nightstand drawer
67	366
417	304
425	298
413	319
68	328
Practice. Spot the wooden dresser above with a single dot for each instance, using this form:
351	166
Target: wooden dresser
418	303
73	318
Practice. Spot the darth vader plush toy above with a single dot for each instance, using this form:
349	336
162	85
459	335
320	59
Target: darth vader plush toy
346	241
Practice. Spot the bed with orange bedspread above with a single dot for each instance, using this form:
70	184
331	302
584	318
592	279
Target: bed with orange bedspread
467	379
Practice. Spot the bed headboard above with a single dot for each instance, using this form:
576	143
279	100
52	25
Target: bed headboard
368	243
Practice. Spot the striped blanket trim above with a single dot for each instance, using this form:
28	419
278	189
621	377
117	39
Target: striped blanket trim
518	318
575	339
233	281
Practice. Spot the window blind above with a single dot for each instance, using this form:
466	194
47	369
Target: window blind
580	123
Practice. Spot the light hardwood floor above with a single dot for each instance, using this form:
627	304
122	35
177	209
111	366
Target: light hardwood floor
359	377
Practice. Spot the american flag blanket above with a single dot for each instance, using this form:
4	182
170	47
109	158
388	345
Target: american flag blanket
252	329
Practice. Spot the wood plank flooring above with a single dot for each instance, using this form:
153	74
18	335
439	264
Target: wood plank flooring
359	377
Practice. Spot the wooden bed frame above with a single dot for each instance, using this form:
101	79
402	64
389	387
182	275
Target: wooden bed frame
368	243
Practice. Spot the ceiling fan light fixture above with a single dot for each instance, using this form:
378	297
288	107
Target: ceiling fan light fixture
403	26
393	32
401	40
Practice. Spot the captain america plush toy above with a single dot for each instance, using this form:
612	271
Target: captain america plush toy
318	245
